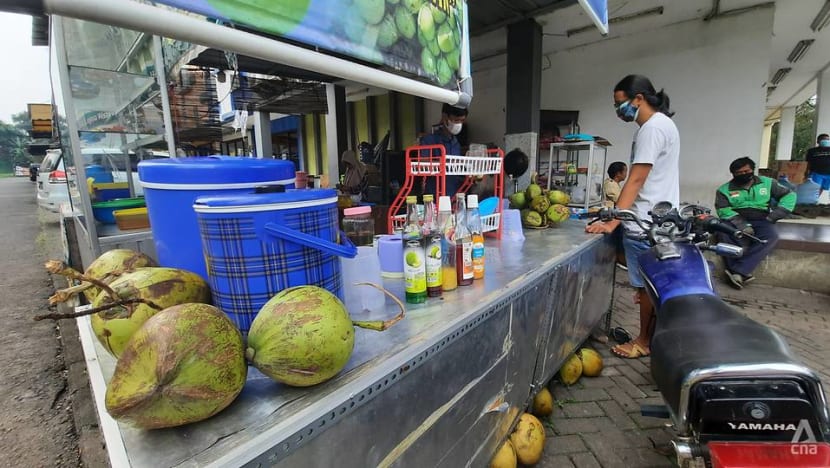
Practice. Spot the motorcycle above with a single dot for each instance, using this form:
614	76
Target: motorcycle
732	389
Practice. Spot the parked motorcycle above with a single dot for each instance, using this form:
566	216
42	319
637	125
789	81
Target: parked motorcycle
732	389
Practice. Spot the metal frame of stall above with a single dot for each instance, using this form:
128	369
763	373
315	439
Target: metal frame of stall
129	14
519	327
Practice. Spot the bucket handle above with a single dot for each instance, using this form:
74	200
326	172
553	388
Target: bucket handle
346	249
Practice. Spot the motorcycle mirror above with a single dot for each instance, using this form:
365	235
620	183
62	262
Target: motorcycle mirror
728	250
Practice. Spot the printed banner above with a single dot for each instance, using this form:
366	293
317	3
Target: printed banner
419	37
598	12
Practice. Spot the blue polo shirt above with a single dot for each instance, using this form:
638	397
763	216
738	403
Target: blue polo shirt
452	147
439	137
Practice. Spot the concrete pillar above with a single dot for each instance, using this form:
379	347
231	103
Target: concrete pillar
786	130
262	135
337	140
524	76
822	104
766	139
524	87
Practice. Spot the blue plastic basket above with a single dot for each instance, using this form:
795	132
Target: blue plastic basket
256	245
171	185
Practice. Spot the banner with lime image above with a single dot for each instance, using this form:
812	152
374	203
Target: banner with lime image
424	38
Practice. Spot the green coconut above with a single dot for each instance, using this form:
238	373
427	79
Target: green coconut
304	336
137	297
184	365
106	268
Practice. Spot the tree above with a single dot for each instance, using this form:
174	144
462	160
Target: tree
805	125
803	134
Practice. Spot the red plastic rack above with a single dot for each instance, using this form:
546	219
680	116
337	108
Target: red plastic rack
432	161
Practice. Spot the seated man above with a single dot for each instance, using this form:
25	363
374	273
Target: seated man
745	202
617	172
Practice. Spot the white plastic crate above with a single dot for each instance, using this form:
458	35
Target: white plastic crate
469	165
490	222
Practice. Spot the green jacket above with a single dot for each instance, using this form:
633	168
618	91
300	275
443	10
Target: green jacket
741	205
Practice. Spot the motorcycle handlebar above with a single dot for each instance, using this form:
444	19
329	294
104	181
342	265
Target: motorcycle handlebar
713	224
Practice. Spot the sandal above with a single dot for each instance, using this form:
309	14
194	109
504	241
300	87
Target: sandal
634	351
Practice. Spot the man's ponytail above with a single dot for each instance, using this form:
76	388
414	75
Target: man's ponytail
632	85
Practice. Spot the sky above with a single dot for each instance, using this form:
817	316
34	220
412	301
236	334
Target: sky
26	75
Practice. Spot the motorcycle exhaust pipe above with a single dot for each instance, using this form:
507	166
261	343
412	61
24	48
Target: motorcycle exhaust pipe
687	452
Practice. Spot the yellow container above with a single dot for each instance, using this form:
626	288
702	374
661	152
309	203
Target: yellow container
133	218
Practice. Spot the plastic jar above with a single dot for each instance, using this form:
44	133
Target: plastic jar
359	225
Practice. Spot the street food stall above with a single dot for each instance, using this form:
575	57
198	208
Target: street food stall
447	384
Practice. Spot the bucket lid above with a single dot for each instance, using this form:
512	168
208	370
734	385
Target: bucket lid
238	203
222	171
119	203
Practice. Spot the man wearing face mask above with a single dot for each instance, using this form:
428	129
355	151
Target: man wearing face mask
653	177
744	201
818	162
445	133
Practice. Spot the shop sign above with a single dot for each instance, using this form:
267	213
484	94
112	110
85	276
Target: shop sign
424	38
598	12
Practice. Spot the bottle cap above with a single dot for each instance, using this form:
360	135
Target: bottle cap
358	210
444	203
429	198
460	196
412	199
472	201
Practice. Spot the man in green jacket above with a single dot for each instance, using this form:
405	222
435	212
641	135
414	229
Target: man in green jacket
745	202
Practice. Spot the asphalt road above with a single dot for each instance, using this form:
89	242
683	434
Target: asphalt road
36	421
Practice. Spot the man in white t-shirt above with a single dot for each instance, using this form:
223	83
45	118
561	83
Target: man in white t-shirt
653	177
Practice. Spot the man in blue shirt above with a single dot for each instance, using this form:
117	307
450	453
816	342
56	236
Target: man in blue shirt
444	133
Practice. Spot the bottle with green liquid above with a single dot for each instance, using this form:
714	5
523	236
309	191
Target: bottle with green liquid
414	261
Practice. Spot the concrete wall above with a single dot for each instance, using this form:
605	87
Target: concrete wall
713	71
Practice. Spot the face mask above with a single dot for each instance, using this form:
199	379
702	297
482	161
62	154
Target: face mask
742	179
454	128
627	111
824	143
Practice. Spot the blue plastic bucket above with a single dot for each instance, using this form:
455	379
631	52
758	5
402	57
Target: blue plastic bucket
256	245
171	185
99	174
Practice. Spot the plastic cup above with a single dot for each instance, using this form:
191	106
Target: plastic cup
365	267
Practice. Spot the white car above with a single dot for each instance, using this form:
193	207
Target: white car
52	189
52	186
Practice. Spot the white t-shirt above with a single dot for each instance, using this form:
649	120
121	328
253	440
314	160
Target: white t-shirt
657	143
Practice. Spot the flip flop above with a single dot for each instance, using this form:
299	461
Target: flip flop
636	351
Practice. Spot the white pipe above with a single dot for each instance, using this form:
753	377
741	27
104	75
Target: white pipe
140	17
167	115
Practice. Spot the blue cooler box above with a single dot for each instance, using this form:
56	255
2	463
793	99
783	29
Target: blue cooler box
172	185
258	244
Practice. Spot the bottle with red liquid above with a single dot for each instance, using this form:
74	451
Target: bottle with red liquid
463	243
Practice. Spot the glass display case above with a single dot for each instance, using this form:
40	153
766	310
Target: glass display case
576	168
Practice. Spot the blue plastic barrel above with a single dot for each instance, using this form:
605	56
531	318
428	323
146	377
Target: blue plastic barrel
258	244
99	174
171	185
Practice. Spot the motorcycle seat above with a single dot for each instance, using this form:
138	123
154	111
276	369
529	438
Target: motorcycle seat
698	332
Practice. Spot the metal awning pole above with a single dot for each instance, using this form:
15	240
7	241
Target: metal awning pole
150	19
161	77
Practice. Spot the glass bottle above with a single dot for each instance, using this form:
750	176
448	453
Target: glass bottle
446	223
413	255
477	236
432	245
463	243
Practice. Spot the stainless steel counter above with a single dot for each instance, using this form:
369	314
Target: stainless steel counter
441	388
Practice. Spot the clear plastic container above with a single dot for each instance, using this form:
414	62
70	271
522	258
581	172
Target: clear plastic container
359	225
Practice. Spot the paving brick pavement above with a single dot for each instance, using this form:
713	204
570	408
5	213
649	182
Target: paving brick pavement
597	421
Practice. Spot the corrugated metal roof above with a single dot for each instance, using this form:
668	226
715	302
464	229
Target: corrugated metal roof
487	15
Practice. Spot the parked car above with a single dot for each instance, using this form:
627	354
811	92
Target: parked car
52	189
52	186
